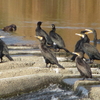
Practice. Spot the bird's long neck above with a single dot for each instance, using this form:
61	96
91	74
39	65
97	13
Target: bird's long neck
86	39
43	43
38	27
79	57
54	29
95	38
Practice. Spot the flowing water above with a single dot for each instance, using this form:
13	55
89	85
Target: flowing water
52	92
69	16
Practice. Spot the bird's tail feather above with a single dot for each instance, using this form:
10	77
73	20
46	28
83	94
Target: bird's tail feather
73	57
67	50
10	58
60	66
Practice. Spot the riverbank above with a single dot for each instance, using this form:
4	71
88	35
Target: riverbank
28	73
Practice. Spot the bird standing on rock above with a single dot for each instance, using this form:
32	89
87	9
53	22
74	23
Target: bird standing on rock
89	49
40	32
4	50
58	42
82	66
47	53
78	46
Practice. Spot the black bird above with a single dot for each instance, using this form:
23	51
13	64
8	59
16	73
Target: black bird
4	51
14	27
10	28
58	42
78	46
95	40
82	66
40	32
47	53
89	49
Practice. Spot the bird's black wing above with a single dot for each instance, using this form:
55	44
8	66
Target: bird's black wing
83	67
4	50
48	54
41	32
57	39
91	51
78	45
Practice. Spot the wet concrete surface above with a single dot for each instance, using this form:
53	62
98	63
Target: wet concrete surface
29	68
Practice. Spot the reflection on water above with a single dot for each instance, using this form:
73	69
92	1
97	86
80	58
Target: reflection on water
69	16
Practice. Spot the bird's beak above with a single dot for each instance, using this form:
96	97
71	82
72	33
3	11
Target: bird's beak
2	36
39	37
88	31
79	34
75	53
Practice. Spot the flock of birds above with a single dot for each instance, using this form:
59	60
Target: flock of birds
54	41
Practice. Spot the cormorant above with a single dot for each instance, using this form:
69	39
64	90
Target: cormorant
95	40
14	27
78	46
11	28
58	42
47	53
89	49
40	32
82	66
4	51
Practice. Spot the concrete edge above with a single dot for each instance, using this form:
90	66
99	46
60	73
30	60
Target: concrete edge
85	82
17	85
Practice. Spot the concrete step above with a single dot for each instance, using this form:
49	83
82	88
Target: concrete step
17	85
20	69
26	72
22	47
16	50
15	64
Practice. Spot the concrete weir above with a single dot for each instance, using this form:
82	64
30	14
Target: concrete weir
28	73
17	85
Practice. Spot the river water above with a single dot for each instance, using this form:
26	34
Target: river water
52	92
69	16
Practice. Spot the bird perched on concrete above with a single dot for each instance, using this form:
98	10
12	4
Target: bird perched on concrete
58	42
82	66
47	53
78	46
40	32
4	50
89	49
